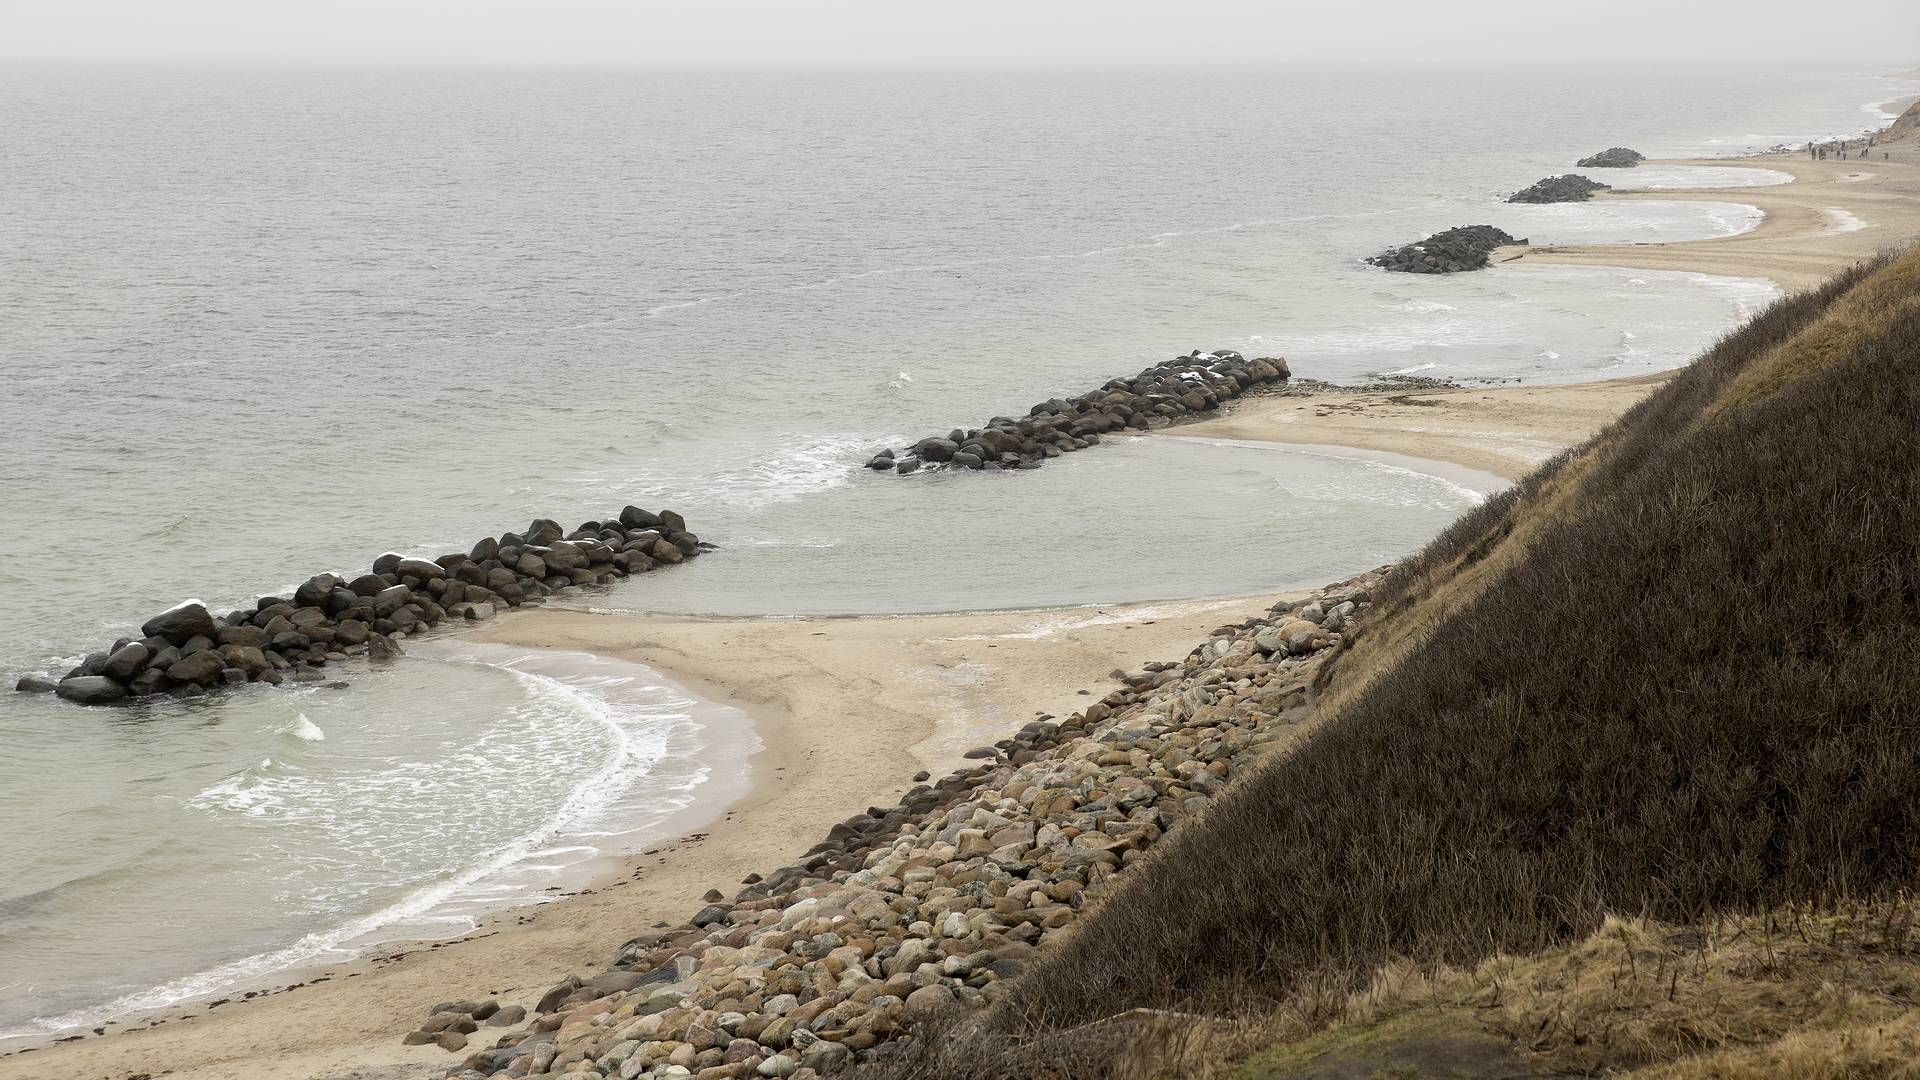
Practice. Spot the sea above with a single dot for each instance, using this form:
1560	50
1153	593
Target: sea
256	324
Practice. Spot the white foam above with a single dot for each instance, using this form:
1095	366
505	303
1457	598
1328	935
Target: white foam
454	903
306	730
1840	221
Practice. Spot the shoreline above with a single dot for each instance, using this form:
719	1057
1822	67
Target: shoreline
813	704
1795	245
844	737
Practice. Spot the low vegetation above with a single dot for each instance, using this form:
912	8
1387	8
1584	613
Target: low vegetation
1658	706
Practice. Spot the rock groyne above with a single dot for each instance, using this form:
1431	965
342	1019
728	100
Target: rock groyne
905	913
1163	394
1559	189
332	617
1451	251
1613	157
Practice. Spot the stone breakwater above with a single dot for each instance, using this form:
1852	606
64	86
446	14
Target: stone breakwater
1559	189
1163	394
907	913
1451	251
332	617
1613	157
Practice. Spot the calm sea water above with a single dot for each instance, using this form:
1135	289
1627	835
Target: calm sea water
257	324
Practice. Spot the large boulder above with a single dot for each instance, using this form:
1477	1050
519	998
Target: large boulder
315	590
182	623
245	658
126	661
562	557
91	690
936	449
420	568
635	518
198	668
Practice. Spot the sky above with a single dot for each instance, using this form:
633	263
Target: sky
838	32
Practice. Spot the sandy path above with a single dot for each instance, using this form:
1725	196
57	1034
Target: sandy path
848	710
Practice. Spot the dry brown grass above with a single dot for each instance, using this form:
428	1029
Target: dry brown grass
1792	992
1674	674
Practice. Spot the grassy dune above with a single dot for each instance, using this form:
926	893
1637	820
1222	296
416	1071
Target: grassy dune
1667	686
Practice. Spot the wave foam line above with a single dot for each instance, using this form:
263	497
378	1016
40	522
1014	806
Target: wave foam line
589	796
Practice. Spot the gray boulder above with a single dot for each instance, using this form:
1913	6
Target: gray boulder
91	690
182	623
126	662
315	590
420	568
199	668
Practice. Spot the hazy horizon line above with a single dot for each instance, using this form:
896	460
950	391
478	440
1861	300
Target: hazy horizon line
1892	68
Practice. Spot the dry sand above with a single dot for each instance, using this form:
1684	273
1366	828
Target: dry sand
850	709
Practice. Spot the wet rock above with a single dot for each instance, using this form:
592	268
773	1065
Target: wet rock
125	662
1614	157
36	684
420	568
199	668
328	619
1450	251
181	623
314	591
91	690
1558	189
635	518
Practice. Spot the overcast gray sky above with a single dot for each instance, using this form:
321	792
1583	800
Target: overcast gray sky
883	31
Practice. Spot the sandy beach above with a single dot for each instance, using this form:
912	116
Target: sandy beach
1832	214
850	709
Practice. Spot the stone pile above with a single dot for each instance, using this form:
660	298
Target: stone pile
1558	189
904	913
332	617
1614	157
1163	394
1451	251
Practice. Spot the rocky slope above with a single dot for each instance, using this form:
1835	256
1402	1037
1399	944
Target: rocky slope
908	914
